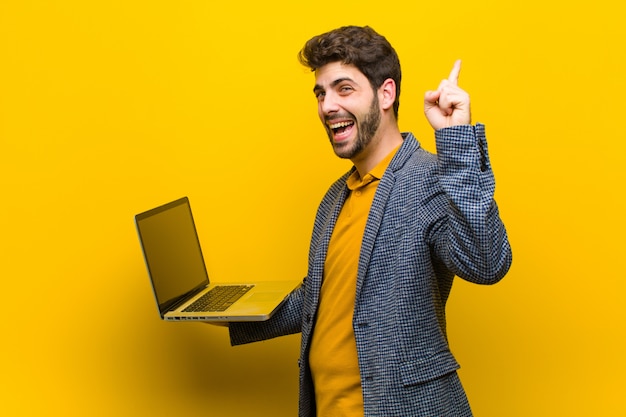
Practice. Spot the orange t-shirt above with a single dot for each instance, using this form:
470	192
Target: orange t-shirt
333	355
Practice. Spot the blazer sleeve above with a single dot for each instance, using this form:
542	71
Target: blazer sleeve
287	320
471	239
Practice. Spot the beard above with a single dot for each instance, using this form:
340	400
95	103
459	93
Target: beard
366	130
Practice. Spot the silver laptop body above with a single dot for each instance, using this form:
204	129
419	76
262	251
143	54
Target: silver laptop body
178	274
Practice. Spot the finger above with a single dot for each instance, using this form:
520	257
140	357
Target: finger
432	97
454	74
451	98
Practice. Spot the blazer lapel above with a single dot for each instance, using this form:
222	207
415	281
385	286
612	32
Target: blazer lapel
377	211
319	260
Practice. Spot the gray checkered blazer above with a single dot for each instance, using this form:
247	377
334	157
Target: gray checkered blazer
433	217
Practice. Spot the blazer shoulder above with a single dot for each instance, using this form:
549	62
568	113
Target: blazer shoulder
419	164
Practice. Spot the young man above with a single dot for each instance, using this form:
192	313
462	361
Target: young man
388	239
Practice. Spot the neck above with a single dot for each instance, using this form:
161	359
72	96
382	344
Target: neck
387	139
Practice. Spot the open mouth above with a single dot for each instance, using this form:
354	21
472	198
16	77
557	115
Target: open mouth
341	129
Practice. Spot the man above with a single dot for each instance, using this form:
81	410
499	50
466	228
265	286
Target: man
388	239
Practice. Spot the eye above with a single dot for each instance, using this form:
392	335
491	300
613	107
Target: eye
320	94
346	89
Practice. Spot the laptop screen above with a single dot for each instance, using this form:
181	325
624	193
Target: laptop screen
172	252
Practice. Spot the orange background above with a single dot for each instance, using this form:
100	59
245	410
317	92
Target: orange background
108	108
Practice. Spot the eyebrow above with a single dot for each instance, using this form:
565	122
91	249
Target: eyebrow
333	84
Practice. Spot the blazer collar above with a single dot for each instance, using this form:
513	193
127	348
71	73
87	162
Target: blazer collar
408	147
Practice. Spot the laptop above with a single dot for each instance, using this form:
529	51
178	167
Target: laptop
180	282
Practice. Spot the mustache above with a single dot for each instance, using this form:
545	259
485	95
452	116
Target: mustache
342	116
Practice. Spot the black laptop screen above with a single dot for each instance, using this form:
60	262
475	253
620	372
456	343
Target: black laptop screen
172	252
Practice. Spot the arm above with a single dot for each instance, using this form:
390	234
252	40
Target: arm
472	240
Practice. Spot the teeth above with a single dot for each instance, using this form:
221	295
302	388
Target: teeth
340	124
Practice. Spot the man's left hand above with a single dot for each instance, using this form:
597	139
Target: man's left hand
449	105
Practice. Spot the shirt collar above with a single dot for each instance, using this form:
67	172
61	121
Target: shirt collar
354	181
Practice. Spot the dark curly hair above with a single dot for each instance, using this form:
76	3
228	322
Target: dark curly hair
360	46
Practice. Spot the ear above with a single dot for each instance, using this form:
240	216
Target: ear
387	94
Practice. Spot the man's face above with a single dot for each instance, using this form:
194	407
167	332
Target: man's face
348	108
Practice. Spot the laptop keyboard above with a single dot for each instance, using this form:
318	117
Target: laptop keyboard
219	298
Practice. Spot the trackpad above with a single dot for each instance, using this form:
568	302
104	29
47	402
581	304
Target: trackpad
261	297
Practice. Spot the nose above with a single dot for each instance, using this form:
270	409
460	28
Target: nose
328	105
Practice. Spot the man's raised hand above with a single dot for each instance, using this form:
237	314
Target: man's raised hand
449	105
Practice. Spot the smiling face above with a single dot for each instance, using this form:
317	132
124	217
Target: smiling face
348	108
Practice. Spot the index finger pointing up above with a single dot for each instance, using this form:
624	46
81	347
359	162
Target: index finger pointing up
454	74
